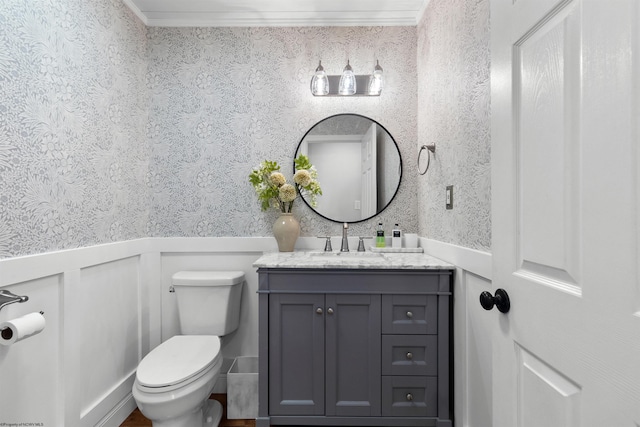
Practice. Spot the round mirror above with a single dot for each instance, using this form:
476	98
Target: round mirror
358	163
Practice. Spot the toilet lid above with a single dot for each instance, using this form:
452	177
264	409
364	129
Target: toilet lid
178	359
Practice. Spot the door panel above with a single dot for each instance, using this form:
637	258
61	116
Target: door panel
547	397
545	70
565	212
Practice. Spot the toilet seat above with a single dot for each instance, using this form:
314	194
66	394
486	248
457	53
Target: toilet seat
177	362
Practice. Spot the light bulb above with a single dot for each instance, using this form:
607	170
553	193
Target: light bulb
320	82
375	80
347	81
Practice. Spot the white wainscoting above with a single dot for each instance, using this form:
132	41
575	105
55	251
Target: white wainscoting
105	309
80	368
472	336
107	306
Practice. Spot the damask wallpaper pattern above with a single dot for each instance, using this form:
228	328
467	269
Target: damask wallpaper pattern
110	131
454	112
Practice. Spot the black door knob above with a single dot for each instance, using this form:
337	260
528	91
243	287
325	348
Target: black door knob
500	300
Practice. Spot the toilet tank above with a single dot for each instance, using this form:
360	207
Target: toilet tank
208	301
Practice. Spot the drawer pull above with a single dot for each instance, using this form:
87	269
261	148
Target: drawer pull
319	310
409	356
409	314
409	397
330	310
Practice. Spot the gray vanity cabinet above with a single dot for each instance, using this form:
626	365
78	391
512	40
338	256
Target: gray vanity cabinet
354	347
328	358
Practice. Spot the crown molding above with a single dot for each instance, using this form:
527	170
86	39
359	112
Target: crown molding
281	13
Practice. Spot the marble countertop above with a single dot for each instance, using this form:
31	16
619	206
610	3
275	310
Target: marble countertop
351	260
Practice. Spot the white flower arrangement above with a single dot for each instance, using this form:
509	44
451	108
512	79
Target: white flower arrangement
273	190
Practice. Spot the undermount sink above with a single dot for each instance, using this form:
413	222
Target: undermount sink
350	254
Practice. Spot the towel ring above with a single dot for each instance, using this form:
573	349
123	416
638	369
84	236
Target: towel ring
432	148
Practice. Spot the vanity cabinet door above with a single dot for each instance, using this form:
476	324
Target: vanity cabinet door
353	355
324	355
296	354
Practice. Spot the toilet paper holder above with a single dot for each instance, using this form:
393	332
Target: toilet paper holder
7	298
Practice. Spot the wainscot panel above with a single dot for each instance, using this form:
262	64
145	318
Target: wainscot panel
103	309
472	332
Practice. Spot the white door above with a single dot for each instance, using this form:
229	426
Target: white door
369	173
565	123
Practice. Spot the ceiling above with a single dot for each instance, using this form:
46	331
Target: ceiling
277	13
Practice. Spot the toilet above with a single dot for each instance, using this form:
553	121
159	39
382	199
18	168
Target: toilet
174	381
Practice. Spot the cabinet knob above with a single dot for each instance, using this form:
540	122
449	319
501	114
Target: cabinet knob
409	356
409	314
409	397
330	310
319	310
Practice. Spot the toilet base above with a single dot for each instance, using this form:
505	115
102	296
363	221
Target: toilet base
212	413
208	416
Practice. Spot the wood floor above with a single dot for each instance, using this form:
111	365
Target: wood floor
136	419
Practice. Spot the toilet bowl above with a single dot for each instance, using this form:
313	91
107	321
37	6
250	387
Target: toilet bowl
174	381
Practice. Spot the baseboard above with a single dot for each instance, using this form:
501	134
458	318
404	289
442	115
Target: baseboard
120	413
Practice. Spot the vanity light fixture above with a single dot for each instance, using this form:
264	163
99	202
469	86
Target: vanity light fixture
348	83
375	81
320	82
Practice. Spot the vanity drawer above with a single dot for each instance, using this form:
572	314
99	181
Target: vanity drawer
409	396
409	355
409	314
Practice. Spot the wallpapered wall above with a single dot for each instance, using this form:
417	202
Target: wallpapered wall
224	99
454	112
73	107
111	131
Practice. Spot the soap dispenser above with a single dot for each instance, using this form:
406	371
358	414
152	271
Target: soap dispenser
396	237
380	239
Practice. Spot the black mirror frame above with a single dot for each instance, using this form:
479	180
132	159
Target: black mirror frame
399	159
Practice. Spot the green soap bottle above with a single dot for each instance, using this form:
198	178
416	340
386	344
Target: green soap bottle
380	240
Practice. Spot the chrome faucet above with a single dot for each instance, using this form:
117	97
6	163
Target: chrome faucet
345	240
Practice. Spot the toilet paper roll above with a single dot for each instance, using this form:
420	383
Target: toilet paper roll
23	327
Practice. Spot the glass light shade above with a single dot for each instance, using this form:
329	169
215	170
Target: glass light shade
320	82
347	81
376	80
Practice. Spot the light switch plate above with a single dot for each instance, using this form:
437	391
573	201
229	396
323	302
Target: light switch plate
449	196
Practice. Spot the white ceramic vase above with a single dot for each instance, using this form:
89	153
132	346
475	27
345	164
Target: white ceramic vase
286	230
